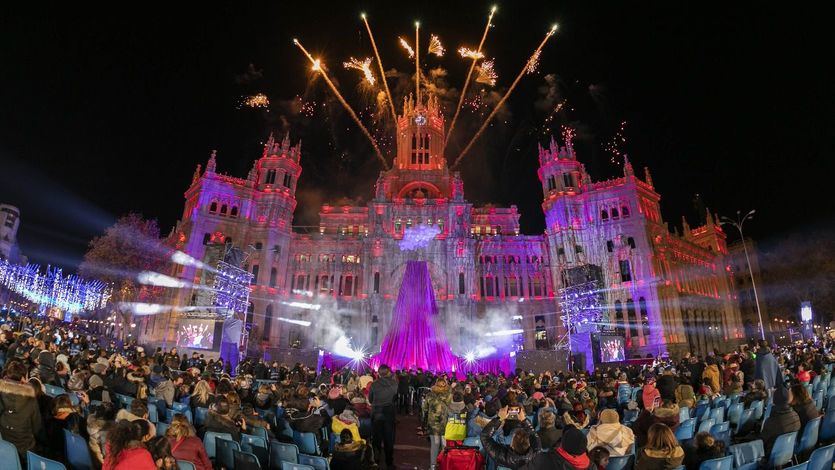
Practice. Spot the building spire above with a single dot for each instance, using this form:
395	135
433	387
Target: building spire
627	167
685	226
196	175
648	177
709	218
212	165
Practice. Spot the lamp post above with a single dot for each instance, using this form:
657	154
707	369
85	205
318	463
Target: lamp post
738	223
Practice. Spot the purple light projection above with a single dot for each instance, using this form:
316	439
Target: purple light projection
414	339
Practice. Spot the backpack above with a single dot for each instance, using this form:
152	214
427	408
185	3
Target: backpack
456	426
460	458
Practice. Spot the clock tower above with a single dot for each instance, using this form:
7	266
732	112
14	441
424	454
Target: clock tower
420	136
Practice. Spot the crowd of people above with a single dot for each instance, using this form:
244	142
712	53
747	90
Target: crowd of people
548	420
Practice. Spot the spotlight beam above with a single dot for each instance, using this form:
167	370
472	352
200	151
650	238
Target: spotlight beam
318	67
467	80
505	97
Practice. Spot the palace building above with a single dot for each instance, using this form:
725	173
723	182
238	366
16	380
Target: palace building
664	291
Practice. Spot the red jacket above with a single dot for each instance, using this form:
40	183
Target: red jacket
191	449
136	458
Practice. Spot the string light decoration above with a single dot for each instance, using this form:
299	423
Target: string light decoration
52	289
231	288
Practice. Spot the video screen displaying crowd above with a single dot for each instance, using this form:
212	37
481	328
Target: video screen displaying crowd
144	409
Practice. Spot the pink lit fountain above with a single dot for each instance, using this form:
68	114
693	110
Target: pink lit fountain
414	338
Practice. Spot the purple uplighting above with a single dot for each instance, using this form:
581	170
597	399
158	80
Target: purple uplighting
414	339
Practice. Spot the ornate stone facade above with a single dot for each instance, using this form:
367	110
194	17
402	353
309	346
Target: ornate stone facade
664	289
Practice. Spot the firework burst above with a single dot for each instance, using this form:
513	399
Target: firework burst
487	73
258	100
405	45
470	54
533	62
615	145
435	46
363	66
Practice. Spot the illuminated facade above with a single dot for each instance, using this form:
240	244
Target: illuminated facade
665	290
9	223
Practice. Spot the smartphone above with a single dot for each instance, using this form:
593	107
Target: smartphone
513	412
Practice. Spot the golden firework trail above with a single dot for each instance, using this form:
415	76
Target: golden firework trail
363	66
382	71
501	102
475	56
405	45
487	73
435	46
317	66
417	62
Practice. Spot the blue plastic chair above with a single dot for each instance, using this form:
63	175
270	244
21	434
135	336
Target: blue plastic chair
281	452
734	412
818	397
8	454
747	455
722	432
295	466
77	452
223	450
705	425
827	428
473	441
683	414
209	441
185	465
744	419
153	414
630	416
169	413
717	414
623	462
256	445
200	415
722	463
808	437
245	460
822	458
318	463
686	430
757	406
53	390
783	450
161	428
306	442
180	407
701	408
36	462
801	466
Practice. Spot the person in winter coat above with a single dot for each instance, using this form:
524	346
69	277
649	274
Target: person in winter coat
616	437
64	416
347	454
549	434
662	451
706	448
767	369
667	385
570	455
667	413
685	396
347	420
99	420
167	390
650	394
185	445
381	394
20	416
219	420
125	449
783	419
436	412
523	447
712	374
46	364
803	404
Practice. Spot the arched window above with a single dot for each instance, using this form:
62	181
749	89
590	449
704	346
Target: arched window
610	246
512	286
642	305
254	274
268	322
234	211
615	213
624	211
604	215
223	209
273	277
619	318
269	178
377	282
213	207
250	313
631	242
633	318
348	286
462	286
489	287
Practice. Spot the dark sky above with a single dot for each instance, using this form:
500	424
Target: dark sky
108	111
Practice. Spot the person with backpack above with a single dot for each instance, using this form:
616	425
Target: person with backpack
436	412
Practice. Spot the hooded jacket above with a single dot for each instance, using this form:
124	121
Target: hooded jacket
616	437
436	405
503	454
711	373
133	458
685	396
346	420
768	370
651	459
20	416
166	390
669	416
649	394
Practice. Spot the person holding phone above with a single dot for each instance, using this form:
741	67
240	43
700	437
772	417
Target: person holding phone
524	445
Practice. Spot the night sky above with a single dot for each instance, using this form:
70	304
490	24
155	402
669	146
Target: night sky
108	111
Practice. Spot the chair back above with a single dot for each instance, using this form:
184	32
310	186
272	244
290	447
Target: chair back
757	406
827	428
306	442
473	441
209	441
281	452
180	407
36	462
153	414
722	463
8	454
747	455
686	430
245	460
623	462
77	452
162	428
818	397
223	451
809	437
718	414
53	390
683	414
722	432
801	466
734	412
630	416
318	463
295	466
705	425
261	432
185	465
200	415
744	419
783	450
822	458
701	408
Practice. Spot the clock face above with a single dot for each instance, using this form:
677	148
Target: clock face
420	119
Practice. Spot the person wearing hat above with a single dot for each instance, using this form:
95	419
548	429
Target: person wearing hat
609	433
570	455
650	394
783	419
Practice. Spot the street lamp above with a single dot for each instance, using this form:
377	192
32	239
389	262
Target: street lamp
740	220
